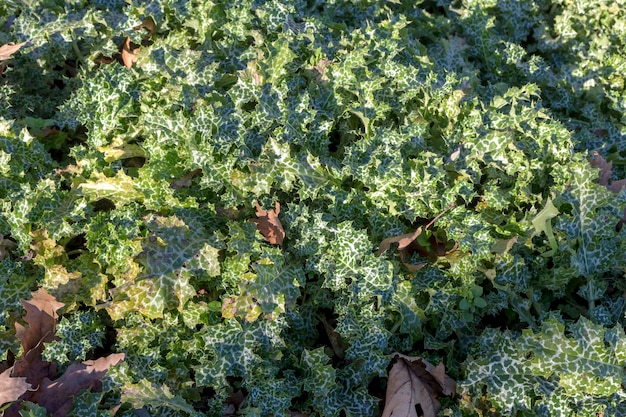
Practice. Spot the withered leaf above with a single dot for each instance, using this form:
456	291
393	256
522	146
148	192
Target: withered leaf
605	168
620	224
128	55
414	381
41	318
148	24
6	246
9	49
605	173
11	388
402	240
407	244
269	225
185	180
56	396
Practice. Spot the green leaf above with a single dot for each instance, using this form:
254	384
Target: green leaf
170	247
120	189
587	360
276	284
144	393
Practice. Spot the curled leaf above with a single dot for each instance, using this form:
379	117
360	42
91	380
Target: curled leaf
620	224
147	24
269	225
128	55
408	244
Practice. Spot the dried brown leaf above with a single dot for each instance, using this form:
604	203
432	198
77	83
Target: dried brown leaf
41	317
407	244
269	225
11	388
605	168
6	246
338	345
620	224
185	180
56	396
616	186
128	55
148	24
605	173
9	49
414	381
402	240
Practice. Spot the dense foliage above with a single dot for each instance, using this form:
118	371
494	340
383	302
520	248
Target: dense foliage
136	138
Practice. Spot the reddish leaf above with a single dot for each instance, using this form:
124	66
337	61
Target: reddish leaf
126	56
41	317
56	396
9	49
268	223
600	133
605	173
11	388
616	186
403	241
605	168
414	381
33	368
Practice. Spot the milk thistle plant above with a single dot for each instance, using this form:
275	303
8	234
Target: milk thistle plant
247	208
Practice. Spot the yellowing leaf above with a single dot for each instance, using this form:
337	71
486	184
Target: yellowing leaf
120	189
112	154
414	381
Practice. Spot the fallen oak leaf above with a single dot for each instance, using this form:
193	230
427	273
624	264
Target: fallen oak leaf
9	49
11	388
126	56
414	381
41	317
56	396
269	225
6	246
